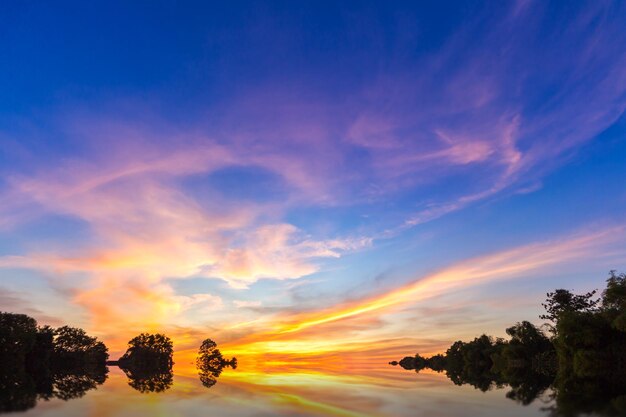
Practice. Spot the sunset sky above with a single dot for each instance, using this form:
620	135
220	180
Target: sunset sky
308	178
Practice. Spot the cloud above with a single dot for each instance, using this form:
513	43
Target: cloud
294	330
246	303
201	303
14	302
275	251
503	265
145	228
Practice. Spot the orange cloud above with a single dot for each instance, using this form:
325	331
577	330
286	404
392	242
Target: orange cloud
146	230
286	334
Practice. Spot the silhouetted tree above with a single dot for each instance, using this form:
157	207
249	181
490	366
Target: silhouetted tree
210	363
73	347
437	363
408	362
18	335
148	362
614	300
39	357
590	342
471	362
584	363
527	342
34	362
149	351
563	301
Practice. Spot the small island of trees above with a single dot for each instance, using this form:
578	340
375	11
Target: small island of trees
211	363
148	362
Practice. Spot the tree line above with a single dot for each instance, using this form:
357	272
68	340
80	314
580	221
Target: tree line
581	355
41	362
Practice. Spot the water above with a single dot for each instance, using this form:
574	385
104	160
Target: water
284	391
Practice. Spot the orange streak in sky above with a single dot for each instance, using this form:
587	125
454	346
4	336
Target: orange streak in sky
503	265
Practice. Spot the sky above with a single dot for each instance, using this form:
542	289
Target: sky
308	179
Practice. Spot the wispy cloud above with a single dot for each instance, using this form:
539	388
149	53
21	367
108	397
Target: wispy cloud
146	228
11	301
294	331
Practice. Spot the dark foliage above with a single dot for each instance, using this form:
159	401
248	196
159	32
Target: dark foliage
598	396
584	363
72	346
20	390
149	351
211	363
23	343
591	342
44	363
148	362
614	301
563	301
146	380
18	335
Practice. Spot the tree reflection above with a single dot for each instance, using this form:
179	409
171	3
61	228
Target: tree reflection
526	385
209	376
574	396
68	385
568	395
17	390
20	389
146	380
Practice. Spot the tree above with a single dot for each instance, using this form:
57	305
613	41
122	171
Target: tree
39	357
563	301
73	346
408	363
210	363
614	300
584	364
437	363
527	341
210	355
40	362
72	340
18	335
149	350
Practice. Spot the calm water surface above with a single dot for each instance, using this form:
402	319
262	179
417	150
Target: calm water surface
370	391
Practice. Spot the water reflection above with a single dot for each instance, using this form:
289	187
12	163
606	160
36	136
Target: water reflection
588	396
20	389
289	389
563	395
147	380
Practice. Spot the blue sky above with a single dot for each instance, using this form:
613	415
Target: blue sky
275	163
